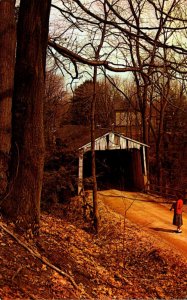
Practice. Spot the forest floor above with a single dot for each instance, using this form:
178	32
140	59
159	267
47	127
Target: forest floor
136	255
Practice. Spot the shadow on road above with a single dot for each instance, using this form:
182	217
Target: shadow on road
163	229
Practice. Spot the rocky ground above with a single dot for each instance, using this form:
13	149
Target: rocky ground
68	261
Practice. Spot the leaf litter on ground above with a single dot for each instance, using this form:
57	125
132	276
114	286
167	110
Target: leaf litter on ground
121	262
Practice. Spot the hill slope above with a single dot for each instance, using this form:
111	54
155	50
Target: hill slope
123	262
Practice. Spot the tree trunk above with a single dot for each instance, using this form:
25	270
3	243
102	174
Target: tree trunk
95	201
7	61
146	123
27	133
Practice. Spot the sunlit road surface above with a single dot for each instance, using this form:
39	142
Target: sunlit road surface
149	213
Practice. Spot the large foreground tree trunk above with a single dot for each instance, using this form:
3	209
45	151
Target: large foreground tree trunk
7	61
28	134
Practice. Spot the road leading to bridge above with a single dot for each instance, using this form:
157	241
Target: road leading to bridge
151	214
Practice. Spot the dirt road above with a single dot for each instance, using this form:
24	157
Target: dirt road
151	214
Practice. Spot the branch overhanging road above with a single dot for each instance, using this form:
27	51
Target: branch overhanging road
150	213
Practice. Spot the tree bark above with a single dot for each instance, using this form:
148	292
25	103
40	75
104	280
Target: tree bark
27	124
95	200
7	61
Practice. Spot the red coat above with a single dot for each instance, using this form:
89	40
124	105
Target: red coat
178	207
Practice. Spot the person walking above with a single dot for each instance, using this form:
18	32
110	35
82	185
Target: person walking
177	217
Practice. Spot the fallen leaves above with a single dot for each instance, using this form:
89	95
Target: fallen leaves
115	264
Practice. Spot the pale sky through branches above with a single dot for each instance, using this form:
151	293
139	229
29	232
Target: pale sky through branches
81	33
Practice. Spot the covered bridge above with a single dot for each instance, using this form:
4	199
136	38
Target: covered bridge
120	163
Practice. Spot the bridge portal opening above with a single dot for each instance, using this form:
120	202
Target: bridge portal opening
115	169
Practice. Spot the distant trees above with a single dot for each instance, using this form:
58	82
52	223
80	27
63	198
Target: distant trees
81	104
174	146
56	105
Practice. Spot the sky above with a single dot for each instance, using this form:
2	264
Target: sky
58	25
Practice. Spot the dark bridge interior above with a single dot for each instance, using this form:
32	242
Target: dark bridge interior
115	169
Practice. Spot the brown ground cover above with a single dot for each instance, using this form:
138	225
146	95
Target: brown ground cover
124	261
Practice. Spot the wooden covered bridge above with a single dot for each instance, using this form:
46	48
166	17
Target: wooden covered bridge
120	163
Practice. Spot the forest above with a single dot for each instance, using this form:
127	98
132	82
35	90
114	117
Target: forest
150	56
79	67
